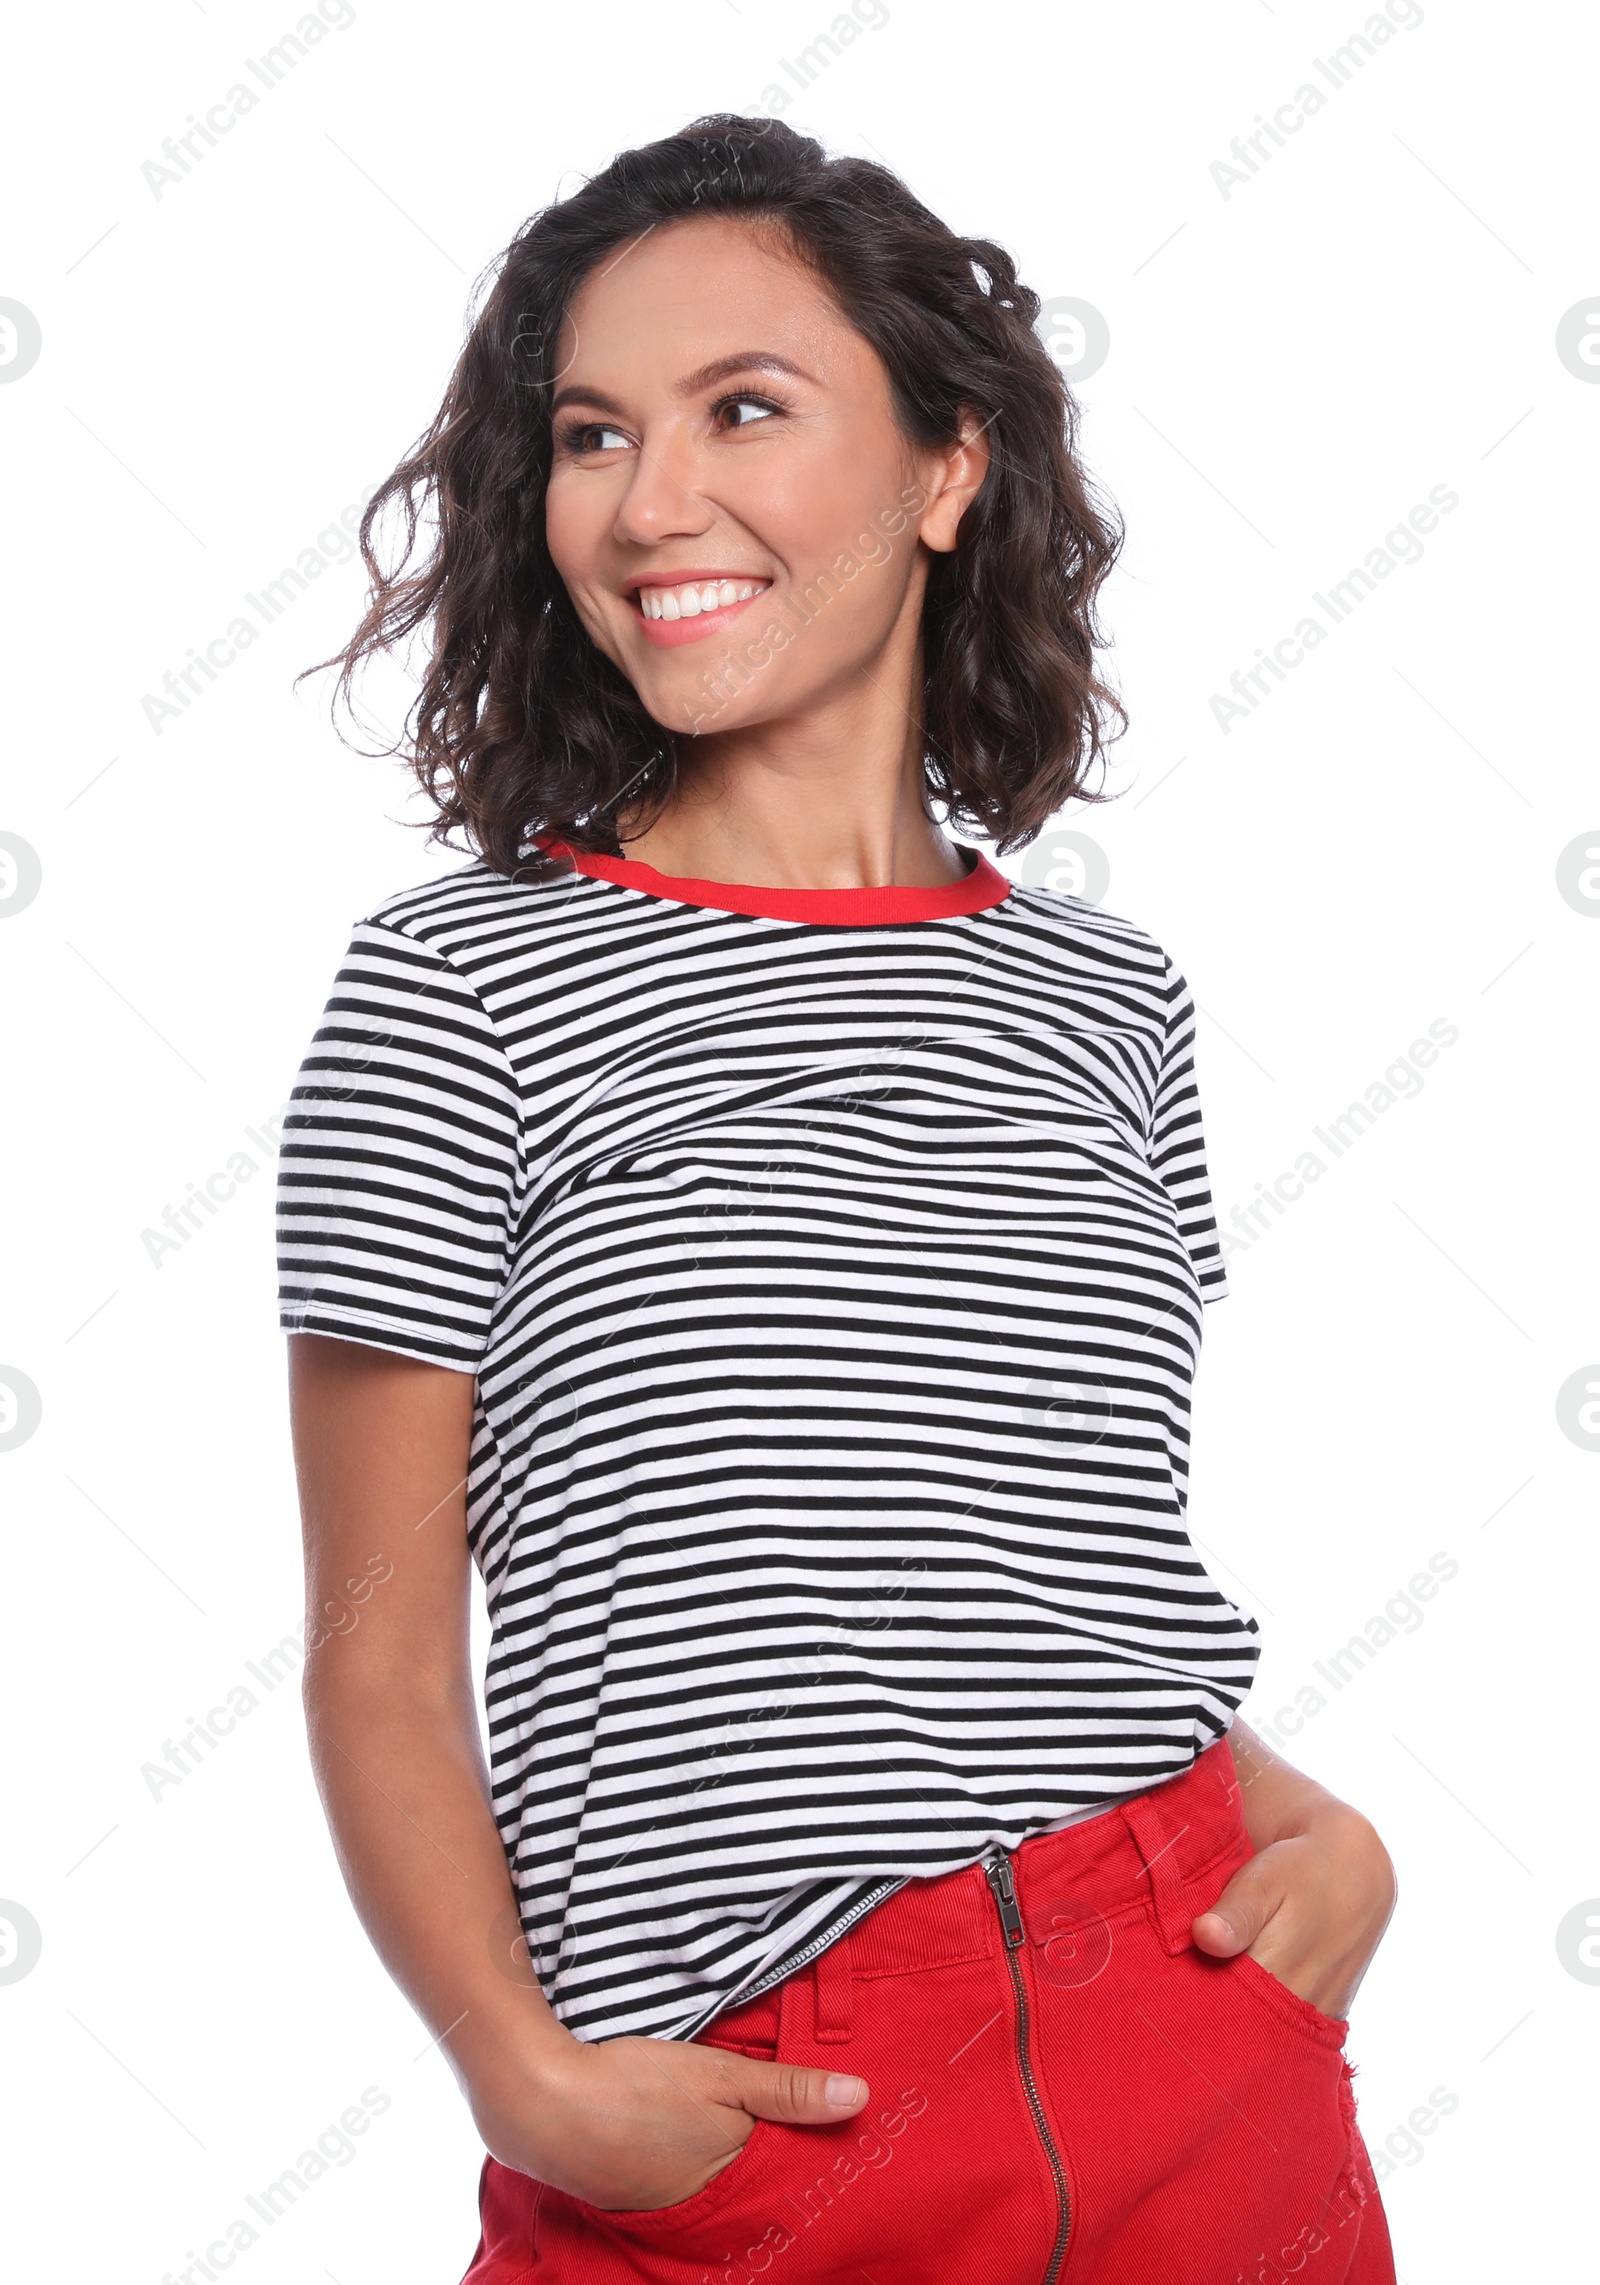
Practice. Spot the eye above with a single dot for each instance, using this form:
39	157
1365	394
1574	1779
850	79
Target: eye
765	407
591	436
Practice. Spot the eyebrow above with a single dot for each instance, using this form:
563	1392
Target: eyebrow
704	377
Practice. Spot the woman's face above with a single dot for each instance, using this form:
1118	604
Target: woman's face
737	517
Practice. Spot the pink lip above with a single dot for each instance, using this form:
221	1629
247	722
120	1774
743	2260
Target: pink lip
667	634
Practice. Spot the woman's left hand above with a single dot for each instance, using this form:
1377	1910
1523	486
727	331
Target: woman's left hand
1312	1904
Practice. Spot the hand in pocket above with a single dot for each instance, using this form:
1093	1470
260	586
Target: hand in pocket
1310	1908
633	2125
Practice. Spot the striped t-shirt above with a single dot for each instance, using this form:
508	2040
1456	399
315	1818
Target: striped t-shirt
830	1264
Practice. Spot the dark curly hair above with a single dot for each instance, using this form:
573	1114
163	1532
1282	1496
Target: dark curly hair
522	726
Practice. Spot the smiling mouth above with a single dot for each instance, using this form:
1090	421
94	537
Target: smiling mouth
684	612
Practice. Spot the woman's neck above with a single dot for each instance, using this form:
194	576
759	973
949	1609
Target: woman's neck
833	803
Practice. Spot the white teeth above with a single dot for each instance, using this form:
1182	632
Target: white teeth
688	601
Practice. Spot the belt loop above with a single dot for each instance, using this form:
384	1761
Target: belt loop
1157	1847
831	1980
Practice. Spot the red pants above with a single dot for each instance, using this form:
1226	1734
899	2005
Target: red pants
1063	2088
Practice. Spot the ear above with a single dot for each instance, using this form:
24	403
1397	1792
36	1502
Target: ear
953	485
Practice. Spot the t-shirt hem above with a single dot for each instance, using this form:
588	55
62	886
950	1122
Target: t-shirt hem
376	1333
797	1956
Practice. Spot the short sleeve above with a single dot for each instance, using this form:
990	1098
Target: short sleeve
1177	1144
399	1162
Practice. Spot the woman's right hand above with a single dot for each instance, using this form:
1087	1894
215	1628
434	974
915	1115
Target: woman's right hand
643	2123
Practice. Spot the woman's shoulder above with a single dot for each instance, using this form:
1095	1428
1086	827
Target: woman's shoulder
467	893
1079	923
471	909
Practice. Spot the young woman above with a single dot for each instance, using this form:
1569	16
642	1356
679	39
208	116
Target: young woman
771	1246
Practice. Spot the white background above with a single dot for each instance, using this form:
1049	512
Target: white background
1292	367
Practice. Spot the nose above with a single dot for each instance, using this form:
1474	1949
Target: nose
662	501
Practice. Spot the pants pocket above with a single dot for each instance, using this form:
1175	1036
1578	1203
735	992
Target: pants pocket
727	2182
1326	2030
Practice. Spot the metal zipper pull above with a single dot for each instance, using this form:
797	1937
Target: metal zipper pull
997	1872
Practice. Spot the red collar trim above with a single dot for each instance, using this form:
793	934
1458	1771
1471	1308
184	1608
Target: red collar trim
984	886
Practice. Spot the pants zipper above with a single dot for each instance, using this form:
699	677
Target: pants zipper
1003	1888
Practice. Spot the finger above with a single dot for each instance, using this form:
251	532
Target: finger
675	2080
800	2097
1243	1909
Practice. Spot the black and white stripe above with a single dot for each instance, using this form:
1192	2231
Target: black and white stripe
834	1297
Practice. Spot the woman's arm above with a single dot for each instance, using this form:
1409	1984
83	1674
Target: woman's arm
1313	1902
381	1446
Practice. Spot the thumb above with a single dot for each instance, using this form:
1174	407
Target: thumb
799	2097
1242	1910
